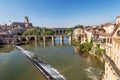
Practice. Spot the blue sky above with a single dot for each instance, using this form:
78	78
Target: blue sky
60	13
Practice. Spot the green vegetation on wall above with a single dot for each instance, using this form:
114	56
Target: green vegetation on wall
98	50
86	47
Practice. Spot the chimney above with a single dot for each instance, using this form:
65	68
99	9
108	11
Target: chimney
118	20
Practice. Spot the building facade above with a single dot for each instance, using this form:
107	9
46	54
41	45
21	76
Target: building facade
79	35
112	55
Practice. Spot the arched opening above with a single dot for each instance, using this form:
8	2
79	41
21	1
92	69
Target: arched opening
79	39
66	40
17	40
32	38
54	32
63	31
57	40
57	31
24	39
60	31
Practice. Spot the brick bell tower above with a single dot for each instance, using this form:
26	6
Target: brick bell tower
26	21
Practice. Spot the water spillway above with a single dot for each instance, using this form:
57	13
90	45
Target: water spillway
47	70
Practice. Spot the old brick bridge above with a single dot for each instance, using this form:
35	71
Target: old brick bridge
10	40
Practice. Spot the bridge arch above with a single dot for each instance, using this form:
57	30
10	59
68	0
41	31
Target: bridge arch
17	40
32	38
60	31
23	39
57	31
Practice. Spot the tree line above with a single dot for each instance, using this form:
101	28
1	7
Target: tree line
46	31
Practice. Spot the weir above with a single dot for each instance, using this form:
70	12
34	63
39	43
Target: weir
47	70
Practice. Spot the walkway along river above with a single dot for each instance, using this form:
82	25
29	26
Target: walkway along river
64	58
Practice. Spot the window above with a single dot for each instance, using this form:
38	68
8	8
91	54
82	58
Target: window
118	33
110	40
107	40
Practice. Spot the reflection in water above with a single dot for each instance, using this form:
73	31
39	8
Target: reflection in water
45	44
66	61
6	48
36	44
57	42
77	50
72	66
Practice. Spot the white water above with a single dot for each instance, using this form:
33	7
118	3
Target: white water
90	73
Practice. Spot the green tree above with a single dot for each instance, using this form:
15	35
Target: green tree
45	31
75	43
69	30
25	33
78	26
18	34
30	32
85	47
98	51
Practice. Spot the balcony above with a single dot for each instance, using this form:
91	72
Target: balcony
116	70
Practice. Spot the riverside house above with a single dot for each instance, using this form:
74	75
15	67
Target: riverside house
112	54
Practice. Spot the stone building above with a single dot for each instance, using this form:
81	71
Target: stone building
108	27
90	33
79	35
112	54
25	24
118	20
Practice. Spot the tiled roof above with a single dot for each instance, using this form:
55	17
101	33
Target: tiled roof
115	28
107	24
118	17
104	34
110	34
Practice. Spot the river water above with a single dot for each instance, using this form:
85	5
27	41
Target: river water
64	58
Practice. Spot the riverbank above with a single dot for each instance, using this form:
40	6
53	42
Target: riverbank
91	48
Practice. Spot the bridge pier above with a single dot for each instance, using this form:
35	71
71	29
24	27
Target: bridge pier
44	39
27	38
36	39
70	40
19	38
61	40
53	40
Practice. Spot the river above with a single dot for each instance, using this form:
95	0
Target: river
64	58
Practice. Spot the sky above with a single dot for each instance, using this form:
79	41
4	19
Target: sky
60	13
